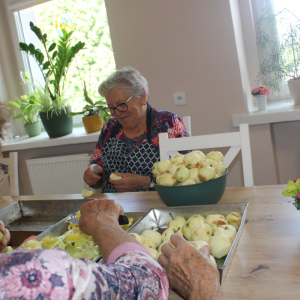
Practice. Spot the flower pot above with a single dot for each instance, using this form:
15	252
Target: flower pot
261	101
294	87
92	123
57	125
33	129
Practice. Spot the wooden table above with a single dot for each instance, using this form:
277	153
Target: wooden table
266	264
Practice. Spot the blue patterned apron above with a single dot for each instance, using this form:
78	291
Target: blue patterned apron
118	156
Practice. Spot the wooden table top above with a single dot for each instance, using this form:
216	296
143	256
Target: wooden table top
266	263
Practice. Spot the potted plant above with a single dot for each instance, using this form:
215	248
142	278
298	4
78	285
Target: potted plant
260	94
28	110
54	65
281	51
93	113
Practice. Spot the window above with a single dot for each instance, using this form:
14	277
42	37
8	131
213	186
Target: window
88	19
278	32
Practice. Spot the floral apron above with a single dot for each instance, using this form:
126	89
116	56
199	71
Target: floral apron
122	157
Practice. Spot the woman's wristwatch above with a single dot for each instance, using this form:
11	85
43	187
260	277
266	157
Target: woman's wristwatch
152	184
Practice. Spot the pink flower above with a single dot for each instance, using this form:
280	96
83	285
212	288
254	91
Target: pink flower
260	90
27	281
298	195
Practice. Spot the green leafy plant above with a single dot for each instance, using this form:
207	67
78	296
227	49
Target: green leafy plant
54	65
278	36
27	108
92	108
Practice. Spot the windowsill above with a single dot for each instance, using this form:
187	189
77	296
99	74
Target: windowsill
78	136
273	114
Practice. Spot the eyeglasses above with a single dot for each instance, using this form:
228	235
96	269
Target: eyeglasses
122	107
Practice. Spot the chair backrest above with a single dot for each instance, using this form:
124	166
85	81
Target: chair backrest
12	175
236	140
187	122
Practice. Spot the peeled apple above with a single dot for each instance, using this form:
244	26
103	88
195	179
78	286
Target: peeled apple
177	158
114	176
86	193
215	155
163	166
1	236
200	154
191	160
182	174
166	179
155	171
206	173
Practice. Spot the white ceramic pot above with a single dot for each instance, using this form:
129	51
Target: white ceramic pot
261	101
294	87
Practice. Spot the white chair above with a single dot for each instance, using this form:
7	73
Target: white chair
236	140
187	122
12	175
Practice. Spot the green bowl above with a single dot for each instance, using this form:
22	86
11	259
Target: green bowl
209	192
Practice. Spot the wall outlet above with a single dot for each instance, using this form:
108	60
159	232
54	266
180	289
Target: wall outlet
179	98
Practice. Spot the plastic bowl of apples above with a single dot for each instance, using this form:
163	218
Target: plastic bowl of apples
191	179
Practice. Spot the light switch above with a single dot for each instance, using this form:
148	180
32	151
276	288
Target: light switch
179	98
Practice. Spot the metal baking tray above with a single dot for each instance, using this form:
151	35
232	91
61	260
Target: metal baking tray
27	218
157	219
62	226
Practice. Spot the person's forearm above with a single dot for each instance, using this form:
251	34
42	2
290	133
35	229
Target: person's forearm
145	184
109	235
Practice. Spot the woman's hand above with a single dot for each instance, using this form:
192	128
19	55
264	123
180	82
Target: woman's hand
99	213
99	218
190	272
91	178
130	182
6	237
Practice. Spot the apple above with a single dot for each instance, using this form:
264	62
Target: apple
229	230
182	174
188	226
201	232
215	155
137	237
166	236
165	242
166	179
212	259
234	219
155	171
208	162
197	216
221	168
177	221
114	176
153	252
174	167
194	174
206	173
163	166
189	181
177	158
154	236
217	223
31	244
199	244
191	160
220	245
200	154
213	217
147	242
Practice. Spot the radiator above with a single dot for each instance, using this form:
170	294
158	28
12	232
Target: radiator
58	175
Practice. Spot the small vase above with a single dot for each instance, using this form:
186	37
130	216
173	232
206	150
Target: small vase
33	129
261	101
92	123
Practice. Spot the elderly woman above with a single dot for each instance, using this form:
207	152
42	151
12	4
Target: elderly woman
128	143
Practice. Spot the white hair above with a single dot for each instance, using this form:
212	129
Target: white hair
127	78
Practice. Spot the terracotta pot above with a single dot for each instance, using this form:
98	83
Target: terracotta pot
294	87
92	123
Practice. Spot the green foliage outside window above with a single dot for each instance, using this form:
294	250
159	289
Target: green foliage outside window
90	24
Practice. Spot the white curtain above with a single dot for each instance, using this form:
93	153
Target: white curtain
16	5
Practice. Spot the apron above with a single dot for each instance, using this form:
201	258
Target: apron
123	158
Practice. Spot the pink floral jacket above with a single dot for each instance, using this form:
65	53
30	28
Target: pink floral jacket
53	274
